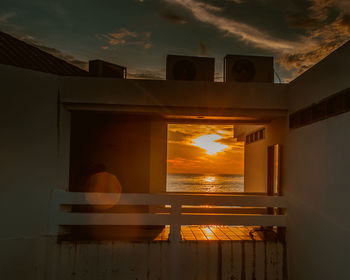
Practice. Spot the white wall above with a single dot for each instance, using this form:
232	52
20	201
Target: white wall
261	100
316	177
316	162
28	169
255	154
32	155
31	168
325	78
255	166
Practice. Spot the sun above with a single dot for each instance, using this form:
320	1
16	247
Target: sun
208	143
209	179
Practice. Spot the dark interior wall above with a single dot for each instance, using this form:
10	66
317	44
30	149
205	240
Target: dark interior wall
119	143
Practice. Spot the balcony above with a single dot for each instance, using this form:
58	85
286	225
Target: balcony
244	238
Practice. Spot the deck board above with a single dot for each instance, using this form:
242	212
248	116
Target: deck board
211	233
219	232
236	232
199	235
208	233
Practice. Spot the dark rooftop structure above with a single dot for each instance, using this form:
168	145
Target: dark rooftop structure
18	53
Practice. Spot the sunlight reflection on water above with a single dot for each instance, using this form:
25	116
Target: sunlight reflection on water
177	182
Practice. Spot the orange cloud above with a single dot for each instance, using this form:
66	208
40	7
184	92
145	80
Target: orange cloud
185	157
127	37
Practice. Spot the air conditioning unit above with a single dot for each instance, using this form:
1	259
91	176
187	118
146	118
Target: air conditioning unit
100	68
242	68
190	68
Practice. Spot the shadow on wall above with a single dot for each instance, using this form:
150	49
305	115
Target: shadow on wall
103	145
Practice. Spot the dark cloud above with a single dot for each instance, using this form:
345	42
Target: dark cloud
344	23
213	15
231	142
323	26
304	60
4	18
327	25
178	136
145	74
227	141
55	52
187	133
4	22
185	151
69	58
127	38
228	128
172	16
300	22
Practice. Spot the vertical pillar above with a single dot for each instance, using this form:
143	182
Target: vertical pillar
158	156
175	239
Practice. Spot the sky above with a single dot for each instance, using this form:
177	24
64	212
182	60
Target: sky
139	34
204	149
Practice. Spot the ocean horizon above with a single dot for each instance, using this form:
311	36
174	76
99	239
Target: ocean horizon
186	182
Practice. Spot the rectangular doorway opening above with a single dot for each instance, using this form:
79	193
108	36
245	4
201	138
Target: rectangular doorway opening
204	158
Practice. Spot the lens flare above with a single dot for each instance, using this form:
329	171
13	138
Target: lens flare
104	190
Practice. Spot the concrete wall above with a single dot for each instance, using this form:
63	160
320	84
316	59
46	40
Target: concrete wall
118	142
255	101
152	260
315	163
255	154
254	159
316	177
255	166
174	93
158	156
29	154
35	160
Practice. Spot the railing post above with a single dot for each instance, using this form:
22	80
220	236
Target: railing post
175	238
175	226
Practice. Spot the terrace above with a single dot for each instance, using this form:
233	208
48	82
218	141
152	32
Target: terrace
43	210
140	230
234	232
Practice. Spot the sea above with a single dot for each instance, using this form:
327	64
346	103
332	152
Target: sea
220	183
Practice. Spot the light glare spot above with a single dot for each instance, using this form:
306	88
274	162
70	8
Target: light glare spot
104	190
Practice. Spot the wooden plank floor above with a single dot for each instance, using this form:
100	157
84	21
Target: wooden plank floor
212	233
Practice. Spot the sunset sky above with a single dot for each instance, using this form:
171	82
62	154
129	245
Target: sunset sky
204	149
140	33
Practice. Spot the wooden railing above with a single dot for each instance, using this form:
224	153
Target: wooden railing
176	203
177	216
